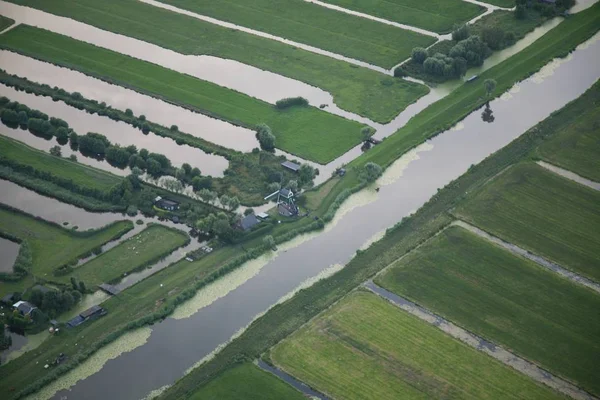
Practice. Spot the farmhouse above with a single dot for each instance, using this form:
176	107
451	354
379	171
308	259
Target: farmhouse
24	307
248	222
291	166
166	204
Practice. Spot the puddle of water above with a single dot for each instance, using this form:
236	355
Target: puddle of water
124	344
9	251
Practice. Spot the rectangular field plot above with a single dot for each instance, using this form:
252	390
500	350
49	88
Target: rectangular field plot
542	212
248	382
303	131
303	22
366	348
433	15
141	250
576	146
506	299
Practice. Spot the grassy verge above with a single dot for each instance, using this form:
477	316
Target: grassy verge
5	22
365	348
436	16
51	245
507	299
341	33
543	213
247	382
359	90
304	131
135	253
283	319
577	146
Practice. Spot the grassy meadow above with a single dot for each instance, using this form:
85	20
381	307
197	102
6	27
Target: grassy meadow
576	147
247	382
51	245
303	131
434	15
366	348
80	174
505	298
356	37
136	252
542	212
5	22
359	90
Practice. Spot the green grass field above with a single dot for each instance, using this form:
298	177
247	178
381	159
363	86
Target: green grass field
341	33
543	213
507	299
577	146
53	246
359	90
5	22
80	174
142	249
434	15
303	131
366	348
247	382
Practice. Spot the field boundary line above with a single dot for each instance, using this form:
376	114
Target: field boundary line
291	380
519	251
570	175
499	353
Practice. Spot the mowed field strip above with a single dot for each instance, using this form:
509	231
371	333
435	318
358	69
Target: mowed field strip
303	131
434	15
136	252
506	299
352	36
366	348
543	213
247	382
368	93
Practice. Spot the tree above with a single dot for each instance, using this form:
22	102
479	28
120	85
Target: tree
201	182
493	37
207	195
73	157
62	135
370	172
489	85
273	187
128	112
233	203
306	174
187	168
224	200
366	133
55	151
180	174
174	128
460	32
520	12
135	171
36	297
293	185
222	228
419	54
74	283
270	242
265	137
248	211
82	287
153	167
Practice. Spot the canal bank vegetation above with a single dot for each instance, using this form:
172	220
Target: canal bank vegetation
366	348
283	319
140	251
248	382
438	16
352	36
50	245
359	90
5	22
506	299
247	177
303	131
542	212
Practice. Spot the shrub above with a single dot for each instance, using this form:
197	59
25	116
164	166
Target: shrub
291	102
460	32
419	55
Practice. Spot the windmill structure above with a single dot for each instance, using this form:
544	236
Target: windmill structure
286	202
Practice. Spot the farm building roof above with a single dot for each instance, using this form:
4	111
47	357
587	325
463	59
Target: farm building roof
91	311
262	215
291	166
24	307
248	222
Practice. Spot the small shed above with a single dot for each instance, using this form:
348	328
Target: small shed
166	204
262	216
291	166
248	222
24	307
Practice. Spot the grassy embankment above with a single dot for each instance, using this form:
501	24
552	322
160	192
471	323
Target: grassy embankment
360	90
352	36
137	305
248	382
5	22
143	249
507	299
542	212
436	16
366	348
51	245
576	147
303	131
285	318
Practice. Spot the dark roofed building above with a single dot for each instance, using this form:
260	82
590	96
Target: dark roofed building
93	311
166	204
290	165
24	307
78	320
248	222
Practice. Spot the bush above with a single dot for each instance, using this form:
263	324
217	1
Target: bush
460	32
265	137
291	102
419	55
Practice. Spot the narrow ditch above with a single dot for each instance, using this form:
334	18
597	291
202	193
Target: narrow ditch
569	175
